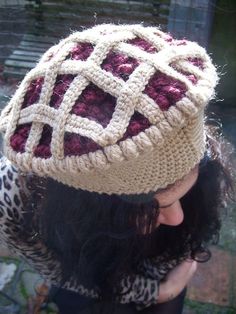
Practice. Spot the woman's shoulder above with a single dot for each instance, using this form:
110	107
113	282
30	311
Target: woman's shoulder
10	199
30	249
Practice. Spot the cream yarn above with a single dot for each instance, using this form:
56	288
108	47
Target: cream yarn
152	159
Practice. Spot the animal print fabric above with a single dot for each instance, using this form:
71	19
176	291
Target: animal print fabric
143	291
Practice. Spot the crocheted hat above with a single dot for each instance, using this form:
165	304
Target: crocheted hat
112	109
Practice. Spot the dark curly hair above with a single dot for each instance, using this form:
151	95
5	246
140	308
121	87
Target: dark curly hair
97	238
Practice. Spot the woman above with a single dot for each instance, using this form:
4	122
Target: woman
117	183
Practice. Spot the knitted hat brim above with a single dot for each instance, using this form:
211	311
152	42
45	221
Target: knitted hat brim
151	171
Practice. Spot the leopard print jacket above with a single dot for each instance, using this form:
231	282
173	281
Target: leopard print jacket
143	291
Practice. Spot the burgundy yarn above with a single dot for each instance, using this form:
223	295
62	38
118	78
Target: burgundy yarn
19	138
143	44
190	77
61	85
197	62
75	144
138	123
43	149
119	65
181	42
33	92
97	105
165	90
168	38
81	52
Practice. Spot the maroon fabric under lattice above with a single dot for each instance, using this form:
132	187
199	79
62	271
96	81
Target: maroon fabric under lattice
97	105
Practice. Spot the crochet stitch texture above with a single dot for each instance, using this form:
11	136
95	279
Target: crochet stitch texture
146	132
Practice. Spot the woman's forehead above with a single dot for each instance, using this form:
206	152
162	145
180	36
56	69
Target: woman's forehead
180	187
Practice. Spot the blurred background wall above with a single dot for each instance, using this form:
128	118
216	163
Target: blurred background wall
32	26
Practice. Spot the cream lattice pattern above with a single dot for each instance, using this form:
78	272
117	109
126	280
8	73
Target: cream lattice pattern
171	59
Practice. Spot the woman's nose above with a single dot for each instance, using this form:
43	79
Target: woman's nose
172	215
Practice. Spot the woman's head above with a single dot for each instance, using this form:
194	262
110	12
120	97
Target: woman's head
116	115
113	109
100	238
